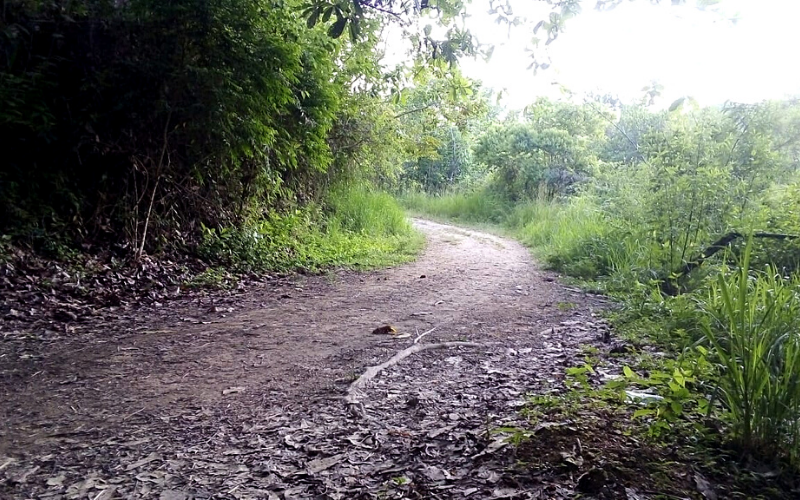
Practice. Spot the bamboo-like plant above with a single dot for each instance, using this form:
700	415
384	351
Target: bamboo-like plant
751	321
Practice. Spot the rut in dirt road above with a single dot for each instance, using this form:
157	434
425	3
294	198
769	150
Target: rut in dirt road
243	400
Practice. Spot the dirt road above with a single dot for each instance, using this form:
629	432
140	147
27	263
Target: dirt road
241	397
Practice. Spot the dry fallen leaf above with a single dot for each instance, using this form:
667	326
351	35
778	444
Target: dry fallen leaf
56	480
106	494
494	446
704	487
146	460
319	465
233	390
8	461
173	495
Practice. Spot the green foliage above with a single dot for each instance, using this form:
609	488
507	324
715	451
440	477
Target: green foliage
365	142
160	114
350	17
438	120
752	320
625	137
697	176
553	148
781	212
690	177
451	163
357	228
676	387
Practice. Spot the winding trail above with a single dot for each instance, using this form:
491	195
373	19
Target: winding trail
241	398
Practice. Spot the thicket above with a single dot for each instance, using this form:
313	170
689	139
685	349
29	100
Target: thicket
358	227
150	126
689	216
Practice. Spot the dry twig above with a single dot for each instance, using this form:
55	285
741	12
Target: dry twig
355	388
416	340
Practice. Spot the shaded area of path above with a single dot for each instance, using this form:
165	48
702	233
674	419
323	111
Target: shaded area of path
242	399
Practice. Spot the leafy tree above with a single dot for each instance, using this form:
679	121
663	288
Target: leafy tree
351	16
437	120
448	166
624	136
159	116
552	149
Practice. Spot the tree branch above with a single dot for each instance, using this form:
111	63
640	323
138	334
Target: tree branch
415	110
356	388
625	135
669	288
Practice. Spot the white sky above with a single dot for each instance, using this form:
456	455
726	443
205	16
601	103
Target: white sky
689	51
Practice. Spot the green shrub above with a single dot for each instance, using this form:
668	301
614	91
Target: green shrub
358	228
752	320
477	206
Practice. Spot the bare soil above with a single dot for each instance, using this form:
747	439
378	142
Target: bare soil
240	396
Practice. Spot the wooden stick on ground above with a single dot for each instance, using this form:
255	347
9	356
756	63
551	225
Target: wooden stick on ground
355	388
416	340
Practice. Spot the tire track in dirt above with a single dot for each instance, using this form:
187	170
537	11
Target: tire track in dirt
292	347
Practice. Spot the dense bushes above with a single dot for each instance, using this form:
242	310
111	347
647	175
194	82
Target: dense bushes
546	154
355	227
665	187
119	116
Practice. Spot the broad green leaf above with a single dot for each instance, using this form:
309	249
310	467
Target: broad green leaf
628	372
644	412
337	28
312	19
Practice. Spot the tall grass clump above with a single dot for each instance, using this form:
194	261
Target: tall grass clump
356	227
478	206
752	322
361	210
563	234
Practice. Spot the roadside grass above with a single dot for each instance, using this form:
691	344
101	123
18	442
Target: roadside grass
751	321
360	210
722	360
354	228
476	206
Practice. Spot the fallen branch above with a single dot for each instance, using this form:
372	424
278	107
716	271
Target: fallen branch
670	288
416	340
415	110
126	417
355	388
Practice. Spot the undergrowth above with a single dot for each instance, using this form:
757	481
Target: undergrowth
728	373
354	227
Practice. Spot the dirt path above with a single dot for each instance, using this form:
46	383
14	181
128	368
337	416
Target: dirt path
242	398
